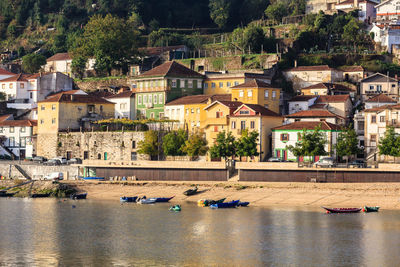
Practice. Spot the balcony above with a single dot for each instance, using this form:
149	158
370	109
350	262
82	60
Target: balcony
216	121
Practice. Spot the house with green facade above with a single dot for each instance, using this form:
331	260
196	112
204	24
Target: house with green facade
163	84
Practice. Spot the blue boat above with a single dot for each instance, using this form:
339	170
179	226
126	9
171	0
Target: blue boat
128	199
225	205
147	201
93	178
161	199
243	204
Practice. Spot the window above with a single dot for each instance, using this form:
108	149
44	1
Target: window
241	93
145	99
11	141
373	119
250	93
315	93
30	95
53	107
22	142
192	110
215	128
266	94
53	121
160	99
371	87
381	118
190	83
198	110
273	94
150	99
42	107
373	138
173	83
10	86
205	85
152	115
219	114
85	154
198	84
11	129
212	85
393	85
155	99
252	125
133	156
228	84
187	111
98	156
22	129
244	112
284	137
140	100
182	82
198	123
236	83
3	86
394	121
41	121
379	88
233	125
221	85
22	85
242	125
91	108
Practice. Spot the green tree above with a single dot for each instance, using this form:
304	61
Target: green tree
254	38
246	145
312	143
149	146
174	142
224	146
389	145
277	11
110	40
33	62
351	32
78	66
220	11
347	143
196	145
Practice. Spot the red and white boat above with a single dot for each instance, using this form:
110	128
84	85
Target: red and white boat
342	210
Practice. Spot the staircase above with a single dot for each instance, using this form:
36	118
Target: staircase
7	150
23	172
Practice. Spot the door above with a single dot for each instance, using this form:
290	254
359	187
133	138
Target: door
285	155
105	155
278	153
69	155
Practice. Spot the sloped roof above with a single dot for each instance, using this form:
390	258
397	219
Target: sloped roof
332	98
199	99
330	86
381	98
5	72
302	98
5	117
59	56
315	113
311	68
378	77
20	123
253	83
171	69
69	92
352	68
308	125
232	105
389	107
258	109
68	98
16	78
122	95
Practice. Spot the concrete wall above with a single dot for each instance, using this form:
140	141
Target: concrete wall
36	171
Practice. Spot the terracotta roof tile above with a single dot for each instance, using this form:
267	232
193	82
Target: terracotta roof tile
199	99
258	109
15	78
68	98
332	98
122	95
389	107
381	98
20	123
308	125
330	86
5	117
232	105
311	68
315	113
302	98
352	68
253	83
171	69
5	72
378	77
59	56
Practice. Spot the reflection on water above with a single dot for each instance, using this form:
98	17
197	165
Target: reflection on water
48	232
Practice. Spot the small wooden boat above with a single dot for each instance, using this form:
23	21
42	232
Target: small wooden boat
79	196
162	199
128	199
224	205
243	204
342	210
176	208
371	209
147	201
190	192
40	195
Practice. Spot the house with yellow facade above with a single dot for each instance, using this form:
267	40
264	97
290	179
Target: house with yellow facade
221	83
257	118
189	110
257	92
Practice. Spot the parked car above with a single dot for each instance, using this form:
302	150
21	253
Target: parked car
275	159
39	159
75	161
54	176
62	160
52	162
325	163
358	163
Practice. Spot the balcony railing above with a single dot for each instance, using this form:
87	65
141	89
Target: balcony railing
216	121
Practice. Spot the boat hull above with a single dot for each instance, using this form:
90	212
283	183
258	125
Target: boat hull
342	210
225	205
128	199
78	196
243	204
162	199
40	195
147	201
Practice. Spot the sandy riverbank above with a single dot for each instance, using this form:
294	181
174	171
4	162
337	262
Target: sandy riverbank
311	195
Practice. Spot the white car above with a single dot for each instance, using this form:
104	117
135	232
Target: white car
54	176
325	163
62	160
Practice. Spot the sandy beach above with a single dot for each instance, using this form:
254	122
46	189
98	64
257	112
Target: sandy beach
306	195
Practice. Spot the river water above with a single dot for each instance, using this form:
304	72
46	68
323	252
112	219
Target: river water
49	232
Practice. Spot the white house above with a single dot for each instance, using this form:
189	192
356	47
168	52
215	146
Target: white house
5	74
301	102
62	62
378	101
387	36
388	12
17	138
124	105
315	115
366	8
289	134
175	110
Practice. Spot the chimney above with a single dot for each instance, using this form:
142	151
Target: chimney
295	63
355	3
